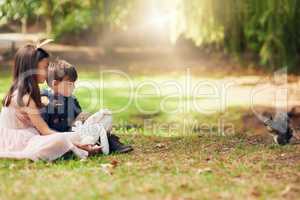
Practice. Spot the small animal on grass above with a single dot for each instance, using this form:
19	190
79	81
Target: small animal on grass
280	127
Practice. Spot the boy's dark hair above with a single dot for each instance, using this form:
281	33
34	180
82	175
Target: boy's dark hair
60	69
41	54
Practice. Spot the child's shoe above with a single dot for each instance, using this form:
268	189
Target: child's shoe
116	146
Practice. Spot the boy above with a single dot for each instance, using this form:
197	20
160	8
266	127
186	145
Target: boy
62	109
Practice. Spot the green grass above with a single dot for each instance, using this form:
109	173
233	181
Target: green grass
171	159
239	169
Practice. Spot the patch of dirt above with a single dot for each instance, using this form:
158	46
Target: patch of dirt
253	124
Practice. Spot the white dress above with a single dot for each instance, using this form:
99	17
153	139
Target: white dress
19	139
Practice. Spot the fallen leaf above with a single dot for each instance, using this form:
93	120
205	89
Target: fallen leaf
129	164
290	189
208	159
160	145
107	168
286	190
184	185
114	163
204	170
255	192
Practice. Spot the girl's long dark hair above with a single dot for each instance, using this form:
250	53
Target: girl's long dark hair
25	75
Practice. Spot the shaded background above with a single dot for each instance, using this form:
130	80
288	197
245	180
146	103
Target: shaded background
249	33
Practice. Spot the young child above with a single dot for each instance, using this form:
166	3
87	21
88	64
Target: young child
23	133
63	110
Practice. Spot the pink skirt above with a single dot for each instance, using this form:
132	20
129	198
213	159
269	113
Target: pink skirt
29	144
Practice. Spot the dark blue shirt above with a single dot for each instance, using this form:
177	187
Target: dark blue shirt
61	111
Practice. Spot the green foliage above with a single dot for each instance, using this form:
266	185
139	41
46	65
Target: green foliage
13	10
269	28
89	15
74	23
68	16
16	10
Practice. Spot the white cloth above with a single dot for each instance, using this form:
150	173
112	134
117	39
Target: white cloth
103	117
95	127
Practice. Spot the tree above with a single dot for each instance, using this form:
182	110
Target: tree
19	11
269	28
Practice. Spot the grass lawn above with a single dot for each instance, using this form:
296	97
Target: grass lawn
173	158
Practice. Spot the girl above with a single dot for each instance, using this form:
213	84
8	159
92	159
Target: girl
23	133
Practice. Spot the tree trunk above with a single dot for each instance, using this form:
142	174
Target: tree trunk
24	25
48	25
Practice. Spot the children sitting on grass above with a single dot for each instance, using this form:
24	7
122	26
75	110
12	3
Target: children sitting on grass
62	110
23	133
